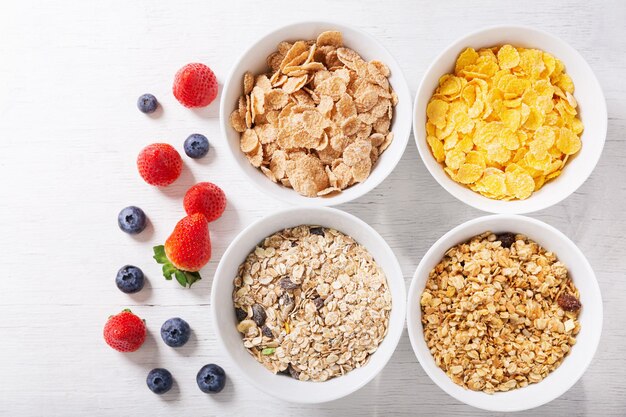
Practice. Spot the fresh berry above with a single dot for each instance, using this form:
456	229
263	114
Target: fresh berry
125	332
195	85
175	332
186	251
147	103
159	164
129	279
196	146
206	198
132	220
211	378
159	380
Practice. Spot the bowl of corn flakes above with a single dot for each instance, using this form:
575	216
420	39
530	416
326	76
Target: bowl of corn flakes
504	313
510	119
316	113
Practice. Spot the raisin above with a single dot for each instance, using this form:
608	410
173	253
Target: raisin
285	299
319	303
506	239
568	302
294	243
287	284
240	313
286	303
267	332
293	372
317	231
258	314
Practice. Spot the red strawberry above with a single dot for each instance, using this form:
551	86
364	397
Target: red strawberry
125	332
195	85
186	251
206	198
159	164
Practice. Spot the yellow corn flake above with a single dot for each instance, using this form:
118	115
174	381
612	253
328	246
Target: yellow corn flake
549	62
454	158
537	162
469	173
436	113
450	141
508	57
466	58
437	147
476	158
543	140
577	126
568	142
509	139
512	118
492	184
519	185
505	122
535	119
449	85
498	154
466	144
565	83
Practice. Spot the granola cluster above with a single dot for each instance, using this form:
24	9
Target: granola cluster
499	312
311	303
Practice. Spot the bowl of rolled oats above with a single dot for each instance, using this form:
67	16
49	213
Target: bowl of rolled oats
316	113
504	313
510	119
309	303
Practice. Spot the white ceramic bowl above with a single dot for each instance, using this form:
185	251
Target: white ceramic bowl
253	59
579	358
588	93
225	323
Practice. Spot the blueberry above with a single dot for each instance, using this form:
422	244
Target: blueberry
129	279
175	332
196	146
211	378
147	103
132	220
159	380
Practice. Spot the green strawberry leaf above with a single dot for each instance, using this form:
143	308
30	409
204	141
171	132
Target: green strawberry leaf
192	277
184	278
159	254
180	277
168	271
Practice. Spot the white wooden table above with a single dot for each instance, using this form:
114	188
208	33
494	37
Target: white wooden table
70	73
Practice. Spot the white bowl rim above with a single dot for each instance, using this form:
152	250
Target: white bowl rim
514	206
371	182
438	246
399	303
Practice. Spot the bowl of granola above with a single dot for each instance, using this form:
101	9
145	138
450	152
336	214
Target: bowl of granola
309	303
504	313
316	113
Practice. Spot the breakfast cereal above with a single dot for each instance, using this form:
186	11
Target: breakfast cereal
499	312
505	122
311	303
319	119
